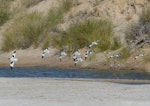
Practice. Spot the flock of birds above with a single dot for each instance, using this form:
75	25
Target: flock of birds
76	55
13	59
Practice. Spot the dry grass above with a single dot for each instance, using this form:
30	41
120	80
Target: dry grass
33	29
24	32
125	53
82	34
4	11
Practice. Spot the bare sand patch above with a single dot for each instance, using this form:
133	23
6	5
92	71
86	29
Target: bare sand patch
71	92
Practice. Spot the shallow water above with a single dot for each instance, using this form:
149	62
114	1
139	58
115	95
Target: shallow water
70	73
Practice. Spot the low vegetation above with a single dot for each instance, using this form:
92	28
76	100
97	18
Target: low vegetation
116	43
139	33
125	53
4	11
24	33
82	34
34	28
54	17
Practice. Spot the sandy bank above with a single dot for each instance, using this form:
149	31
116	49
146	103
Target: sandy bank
32	57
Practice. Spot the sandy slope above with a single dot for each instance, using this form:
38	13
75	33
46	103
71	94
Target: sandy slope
32	57
44	6
71	92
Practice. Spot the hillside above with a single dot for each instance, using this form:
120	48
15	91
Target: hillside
122	26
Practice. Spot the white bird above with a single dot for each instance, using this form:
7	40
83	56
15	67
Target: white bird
62	54
78	60
88	52
60	58
14	54
140	55
115	56
12	65
46	51
90	45
74	57
77	53
13	59
85	56
94	43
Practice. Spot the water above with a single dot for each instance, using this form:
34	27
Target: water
70	73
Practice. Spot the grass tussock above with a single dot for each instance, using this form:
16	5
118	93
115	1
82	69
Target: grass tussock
4	11
125	53
116	44
24	33
82	34
46	41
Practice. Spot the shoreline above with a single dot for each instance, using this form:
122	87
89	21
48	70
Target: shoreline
32	58
132	70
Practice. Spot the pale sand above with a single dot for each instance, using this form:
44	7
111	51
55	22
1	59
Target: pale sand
71	92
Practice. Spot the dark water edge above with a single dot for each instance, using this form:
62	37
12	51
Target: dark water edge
46	72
